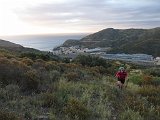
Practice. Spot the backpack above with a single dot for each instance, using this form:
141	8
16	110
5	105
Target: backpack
121	75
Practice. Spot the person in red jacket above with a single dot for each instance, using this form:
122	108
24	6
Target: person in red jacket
121	76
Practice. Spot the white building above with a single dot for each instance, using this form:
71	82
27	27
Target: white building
69	50
157	60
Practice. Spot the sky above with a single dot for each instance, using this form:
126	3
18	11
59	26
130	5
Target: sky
18	17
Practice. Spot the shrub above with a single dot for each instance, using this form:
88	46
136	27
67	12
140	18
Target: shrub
136	79
150	80
99	70
52	65
151	93
66	60
137	104
130	115
147	79
32	56
27	61
39	63
5	115
49	100
54	75
31	81
35	56
72	76
155	82
12	92
6	53
28	115
153	71
76	110
62	67
11	71
91	61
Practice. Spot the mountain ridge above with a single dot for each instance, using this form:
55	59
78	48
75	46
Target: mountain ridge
132	40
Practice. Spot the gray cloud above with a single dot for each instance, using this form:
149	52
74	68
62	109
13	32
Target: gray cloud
95	13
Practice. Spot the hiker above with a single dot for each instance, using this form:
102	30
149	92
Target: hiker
121	76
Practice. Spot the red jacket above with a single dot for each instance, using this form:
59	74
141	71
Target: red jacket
121	75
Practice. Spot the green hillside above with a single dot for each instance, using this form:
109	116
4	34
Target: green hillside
32	88
124	40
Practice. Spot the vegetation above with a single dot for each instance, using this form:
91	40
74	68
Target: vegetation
88	60
84	89
71	41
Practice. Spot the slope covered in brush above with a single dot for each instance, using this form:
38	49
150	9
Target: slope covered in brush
84	89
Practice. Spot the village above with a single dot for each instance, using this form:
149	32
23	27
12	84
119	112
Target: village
73	51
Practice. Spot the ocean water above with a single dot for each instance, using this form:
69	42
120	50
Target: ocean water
42	42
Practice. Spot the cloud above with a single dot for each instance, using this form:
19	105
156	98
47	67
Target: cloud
94	13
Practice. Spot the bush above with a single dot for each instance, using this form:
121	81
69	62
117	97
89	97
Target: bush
66	60
91	61
146	80
136	79
137	104
54	75
12	92
27	61
38	64
52	65
28	115
153	71
35	56
6	53
31	81
5	115
130	115
151	93
76	110
11	71
155	82
72	76
150	80
99	70
49	100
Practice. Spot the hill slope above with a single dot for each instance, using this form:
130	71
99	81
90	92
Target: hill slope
15	47
124	40
84	89
34	86
7	44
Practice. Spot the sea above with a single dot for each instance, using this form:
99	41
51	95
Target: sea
42	42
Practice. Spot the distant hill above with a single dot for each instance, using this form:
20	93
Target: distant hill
15	47
123	40
7	44
71	42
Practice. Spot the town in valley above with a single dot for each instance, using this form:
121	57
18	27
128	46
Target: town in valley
73	51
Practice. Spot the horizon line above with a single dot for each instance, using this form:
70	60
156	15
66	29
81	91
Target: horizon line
61	33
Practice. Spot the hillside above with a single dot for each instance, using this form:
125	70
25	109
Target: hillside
20	51
124	40
33	86
15	47
8	44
